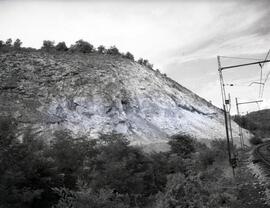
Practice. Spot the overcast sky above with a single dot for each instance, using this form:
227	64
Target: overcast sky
181	38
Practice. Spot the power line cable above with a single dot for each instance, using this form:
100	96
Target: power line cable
239	83
261	88
244	58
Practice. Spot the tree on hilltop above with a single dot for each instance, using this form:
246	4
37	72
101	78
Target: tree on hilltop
113	51
140	61
47	45
61	46
17	43
82	46
101	49
145	62
9	42
129	55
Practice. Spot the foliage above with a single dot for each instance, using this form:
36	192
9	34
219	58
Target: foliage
122	168
61	46
82	46
140	61
245	123
255	140
207	156
219	147
101	49
17	44
79	46
69	155
180	193
48	45
128	55
182	145
113	51
103	198
27	182
9	42
109	172
203	189
257	122
7	45
145	62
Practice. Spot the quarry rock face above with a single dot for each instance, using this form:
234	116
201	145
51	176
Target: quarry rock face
93	94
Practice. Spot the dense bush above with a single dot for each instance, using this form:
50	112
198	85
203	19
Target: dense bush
128	55
104	198
79	46
17	44
140	61
8	46
27	174
101	49
108	172
182	145
48	45
245	123
257	122
61	46
145	62
82	46
255	140
219	146
8	42
113	51
69	154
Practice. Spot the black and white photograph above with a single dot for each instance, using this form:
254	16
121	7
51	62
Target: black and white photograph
134	104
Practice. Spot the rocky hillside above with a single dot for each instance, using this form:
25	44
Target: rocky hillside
91	94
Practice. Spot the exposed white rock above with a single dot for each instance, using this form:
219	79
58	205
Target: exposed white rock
94	94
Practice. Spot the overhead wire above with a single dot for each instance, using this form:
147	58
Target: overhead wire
262	84
244	58
248	58
261	88
238	83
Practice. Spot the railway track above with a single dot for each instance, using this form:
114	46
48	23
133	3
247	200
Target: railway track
262	156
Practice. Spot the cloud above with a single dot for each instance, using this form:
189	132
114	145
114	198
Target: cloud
237	27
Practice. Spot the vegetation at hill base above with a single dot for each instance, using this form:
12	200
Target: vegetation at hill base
108	172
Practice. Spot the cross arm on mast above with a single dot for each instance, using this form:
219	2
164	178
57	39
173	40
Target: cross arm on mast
247	64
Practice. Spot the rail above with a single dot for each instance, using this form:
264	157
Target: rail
262	153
